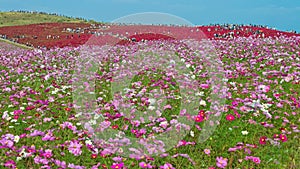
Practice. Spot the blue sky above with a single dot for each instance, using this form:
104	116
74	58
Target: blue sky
280	14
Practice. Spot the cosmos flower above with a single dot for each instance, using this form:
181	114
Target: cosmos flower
144	165
6	143
245	132
263	140
230	117
10	164
221	162
207	151
167	166
283	137
75	148
117	166
47	153
199	119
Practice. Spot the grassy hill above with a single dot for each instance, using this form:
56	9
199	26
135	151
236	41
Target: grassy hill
25	18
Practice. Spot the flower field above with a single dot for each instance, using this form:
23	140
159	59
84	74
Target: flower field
52	35
252	105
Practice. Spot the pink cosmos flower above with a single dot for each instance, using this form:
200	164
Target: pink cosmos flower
75	148
144	165
207	151
117	159
48	137
37	133
23	135
10	164
263	88
96	166
167	166
167	107
61	164
204	86
6	143
221	162
256	160
235	103
76	166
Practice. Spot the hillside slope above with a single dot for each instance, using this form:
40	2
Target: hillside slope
25	18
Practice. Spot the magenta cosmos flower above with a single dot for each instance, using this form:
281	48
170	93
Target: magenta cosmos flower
230	117
283	137
199	118
117	166
48	153
263	140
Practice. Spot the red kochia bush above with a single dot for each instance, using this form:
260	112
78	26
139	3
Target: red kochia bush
36	34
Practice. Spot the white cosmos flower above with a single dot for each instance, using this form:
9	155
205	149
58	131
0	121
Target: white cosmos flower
192	133
232	83
16	139
92	122
96	116
281	81
88	142
151	107
152	101
266	106
78	114
47	77
202	103
172	62
199	94
14	120
225	80
5	115
256	113
245	132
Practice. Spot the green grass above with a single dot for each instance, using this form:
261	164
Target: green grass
18	18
